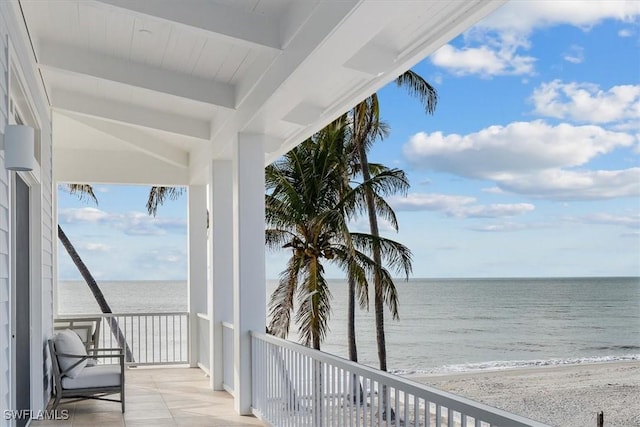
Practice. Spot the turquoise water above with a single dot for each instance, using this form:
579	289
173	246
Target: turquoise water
452	324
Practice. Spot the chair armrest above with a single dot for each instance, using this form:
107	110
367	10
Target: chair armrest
119	355
118	350
81	358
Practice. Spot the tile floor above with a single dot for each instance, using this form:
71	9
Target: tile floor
158	397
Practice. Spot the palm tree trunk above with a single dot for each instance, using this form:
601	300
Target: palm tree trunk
351	323
377	277
96	291
357	394
377	259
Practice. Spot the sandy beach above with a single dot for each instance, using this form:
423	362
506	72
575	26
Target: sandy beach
564	396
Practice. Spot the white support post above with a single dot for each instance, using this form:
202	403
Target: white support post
220	302
249	293
197	255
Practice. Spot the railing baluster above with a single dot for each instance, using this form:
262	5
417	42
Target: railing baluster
153	340
138	343
173	337
354	382
298	386
166	338
160	344
407	399
396	411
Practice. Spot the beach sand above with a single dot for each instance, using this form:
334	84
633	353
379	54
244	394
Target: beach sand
564	396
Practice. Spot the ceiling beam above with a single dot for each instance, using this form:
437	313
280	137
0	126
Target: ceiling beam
137	139
73	60
111	167
324	19
130	114
221	21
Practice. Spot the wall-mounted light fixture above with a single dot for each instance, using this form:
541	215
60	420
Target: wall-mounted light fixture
18	143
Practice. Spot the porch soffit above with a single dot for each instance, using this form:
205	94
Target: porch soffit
177	82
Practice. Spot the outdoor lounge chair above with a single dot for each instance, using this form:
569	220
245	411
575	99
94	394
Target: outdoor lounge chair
76	373
87	328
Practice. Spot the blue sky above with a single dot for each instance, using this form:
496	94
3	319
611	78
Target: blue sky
529	167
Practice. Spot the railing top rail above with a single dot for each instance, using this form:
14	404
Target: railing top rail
452	401
84	316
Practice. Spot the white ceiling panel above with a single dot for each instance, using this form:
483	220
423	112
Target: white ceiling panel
184	49
176	81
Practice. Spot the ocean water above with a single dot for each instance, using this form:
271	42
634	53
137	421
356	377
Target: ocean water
450	324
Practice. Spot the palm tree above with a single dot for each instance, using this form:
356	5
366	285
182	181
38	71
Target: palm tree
394	181
366	129
157	196
84	192
307	209
301	211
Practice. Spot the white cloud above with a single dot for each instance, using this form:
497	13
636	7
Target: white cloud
531	158
141	224
131	223
500	228
457	206
493	190
429	202
631	221
498	210
626	32
161	261
557	184
525	16
91	215
484	60
497	152
493	46
575	54
586	102
95	247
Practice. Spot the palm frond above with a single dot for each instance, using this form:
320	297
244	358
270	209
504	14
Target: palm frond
420	88
158	195
82	191
315	307
396	255
281	303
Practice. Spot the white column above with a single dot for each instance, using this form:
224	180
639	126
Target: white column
221	284
197	255
249	269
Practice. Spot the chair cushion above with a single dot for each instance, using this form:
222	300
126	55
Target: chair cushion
68	342
94	377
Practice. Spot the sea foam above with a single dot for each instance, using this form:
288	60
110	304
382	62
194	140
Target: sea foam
514	364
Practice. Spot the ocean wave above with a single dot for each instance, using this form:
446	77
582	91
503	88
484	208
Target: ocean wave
514	364
615	347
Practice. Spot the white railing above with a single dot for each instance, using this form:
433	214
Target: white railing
203	338
297	386
148	338
227	357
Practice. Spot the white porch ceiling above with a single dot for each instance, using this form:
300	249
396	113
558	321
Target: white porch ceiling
162	87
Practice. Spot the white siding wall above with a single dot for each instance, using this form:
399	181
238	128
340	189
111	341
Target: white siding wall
42	287
5	241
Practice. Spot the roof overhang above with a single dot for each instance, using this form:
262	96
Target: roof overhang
150	92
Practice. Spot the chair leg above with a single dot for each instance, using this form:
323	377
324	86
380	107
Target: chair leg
56	401
122	397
